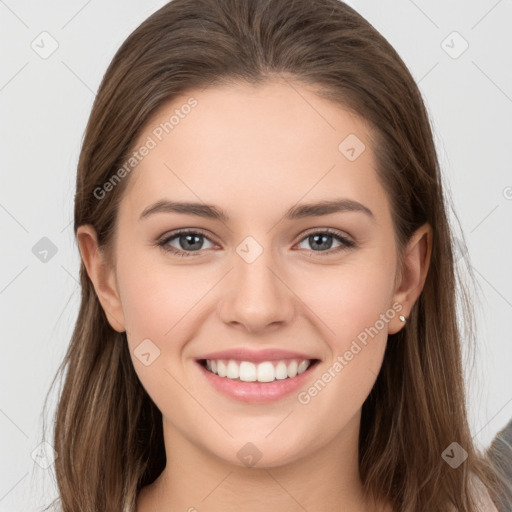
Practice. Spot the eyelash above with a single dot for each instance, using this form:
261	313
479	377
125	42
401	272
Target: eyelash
346	243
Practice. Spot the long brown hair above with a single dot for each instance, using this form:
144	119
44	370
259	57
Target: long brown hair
108	432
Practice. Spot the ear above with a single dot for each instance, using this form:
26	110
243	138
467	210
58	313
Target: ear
416	260
102	276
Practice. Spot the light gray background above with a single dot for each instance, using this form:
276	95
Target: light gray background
45	104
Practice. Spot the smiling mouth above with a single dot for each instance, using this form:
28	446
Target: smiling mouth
263	372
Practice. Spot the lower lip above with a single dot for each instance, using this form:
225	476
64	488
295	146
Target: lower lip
256	392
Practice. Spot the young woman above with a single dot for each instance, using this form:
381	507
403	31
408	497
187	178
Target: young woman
268	316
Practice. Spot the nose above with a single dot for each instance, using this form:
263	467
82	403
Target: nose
256	297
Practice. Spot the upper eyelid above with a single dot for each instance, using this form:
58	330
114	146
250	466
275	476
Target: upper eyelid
185	231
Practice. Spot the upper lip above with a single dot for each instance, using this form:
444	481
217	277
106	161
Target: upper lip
256	356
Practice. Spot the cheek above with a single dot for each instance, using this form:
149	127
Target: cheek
159	304
352	298
155	297
355	310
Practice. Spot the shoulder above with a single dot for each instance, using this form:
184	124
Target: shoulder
485	504
481	496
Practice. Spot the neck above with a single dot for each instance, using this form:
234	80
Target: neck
196	480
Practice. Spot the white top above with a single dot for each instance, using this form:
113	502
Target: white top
484	501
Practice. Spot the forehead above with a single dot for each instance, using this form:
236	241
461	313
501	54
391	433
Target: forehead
251	146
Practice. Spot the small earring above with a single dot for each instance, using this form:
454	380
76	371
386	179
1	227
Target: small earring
402	318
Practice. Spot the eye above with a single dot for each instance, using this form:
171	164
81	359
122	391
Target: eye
187	242
322	241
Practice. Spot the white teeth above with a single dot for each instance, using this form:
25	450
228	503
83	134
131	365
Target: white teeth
303	366
247	371
266	371
292	369
221	369
233	371
281	371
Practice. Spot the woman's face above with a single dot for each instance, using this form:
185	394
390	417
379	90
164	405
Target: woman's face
264	277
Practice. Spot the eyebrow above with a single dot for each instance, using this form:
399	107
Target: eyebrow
299	211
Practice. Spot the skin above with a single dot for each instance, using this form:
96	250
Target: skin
255	152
